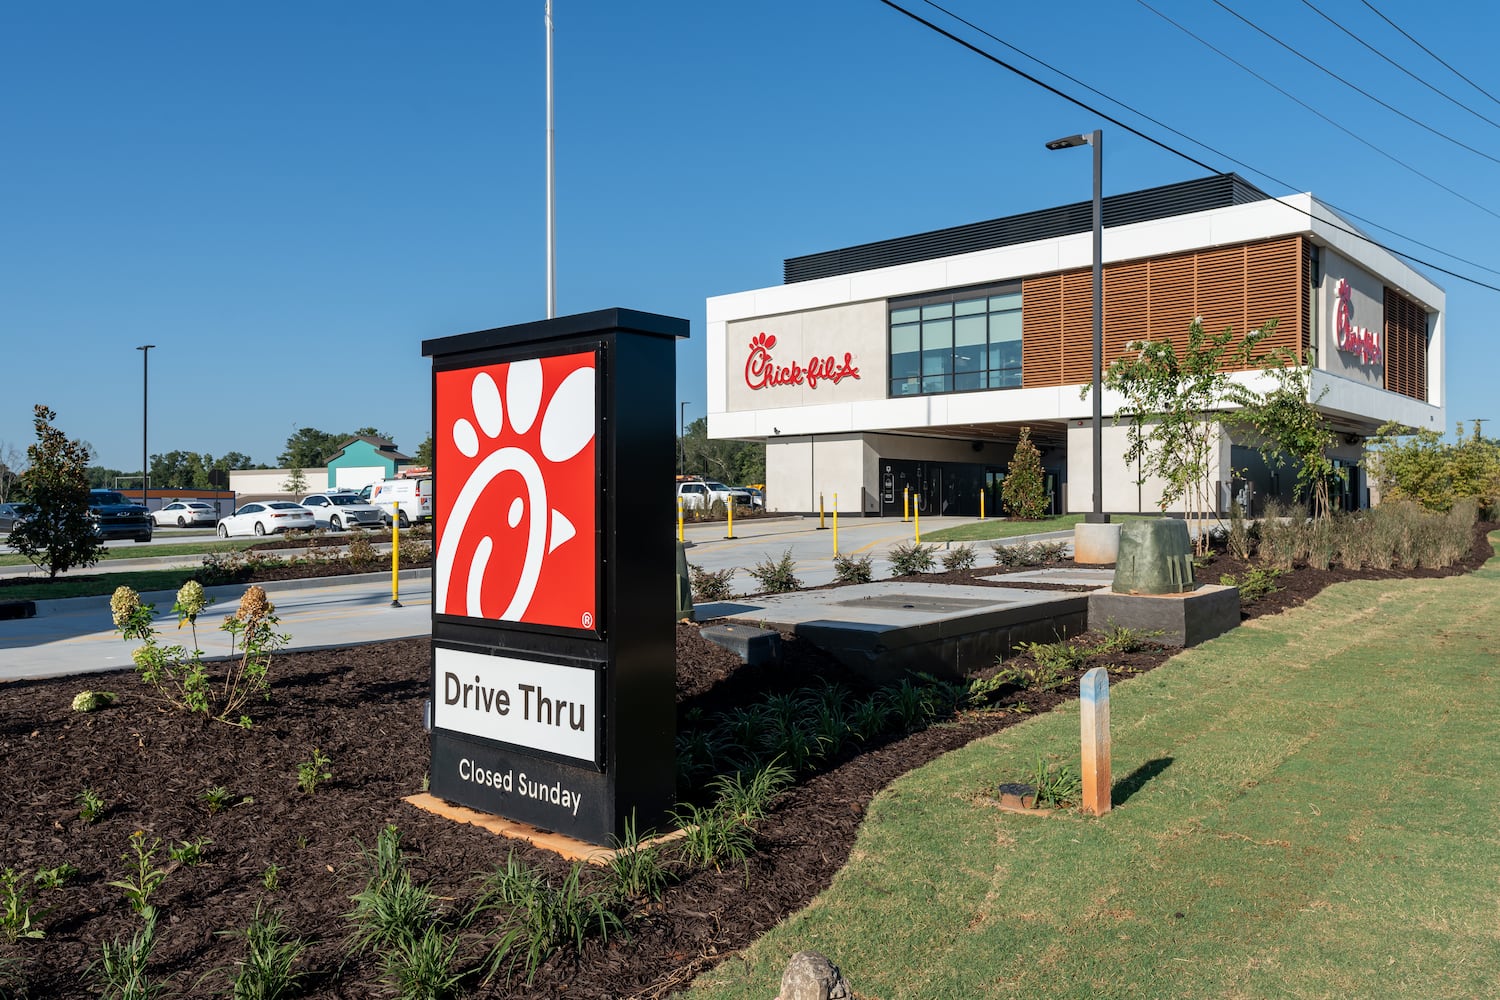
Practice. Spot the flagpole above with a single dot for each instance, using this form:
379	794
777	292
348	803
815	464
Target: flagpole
551	193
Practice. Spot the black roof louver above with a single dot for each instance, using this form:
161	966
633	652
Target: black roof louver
1184	198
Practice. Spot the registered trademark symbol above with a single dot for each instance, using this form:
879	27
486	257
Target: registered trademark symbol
588	619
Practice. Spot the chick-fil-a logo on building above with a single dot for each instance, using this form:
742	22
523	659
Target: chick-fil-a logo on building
517	504
762	371
1354	339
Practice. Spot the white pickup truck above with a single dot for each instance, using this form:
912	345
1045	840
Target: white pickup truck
700	494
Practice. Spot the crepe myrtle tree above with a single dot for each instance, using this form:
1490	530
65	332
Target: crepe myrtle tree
1174	400
1286	426
59	535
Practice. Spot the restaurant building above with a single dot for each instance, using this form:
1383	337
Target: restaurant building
912	364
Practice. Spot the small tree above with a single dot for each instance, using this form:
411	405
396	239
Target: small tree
59	535
296	482
1172	402
1287	424
1420	466
1024	490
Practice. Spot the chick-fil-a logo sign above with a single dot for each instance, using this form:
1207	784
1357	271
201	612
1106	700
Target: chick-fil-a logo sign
517	509
1354	339
762	371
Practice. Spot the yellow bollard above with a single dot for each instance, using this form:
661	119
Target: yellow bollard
981	504
835	524
396	556
916	515
905	504
729	512
679	519
821	526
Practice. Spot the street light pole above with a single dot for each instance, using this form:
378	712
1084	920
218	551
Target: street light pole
682	435
1096	140
145	350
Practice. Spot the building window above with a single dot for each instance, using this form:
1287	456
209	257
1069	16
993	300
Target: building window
956	341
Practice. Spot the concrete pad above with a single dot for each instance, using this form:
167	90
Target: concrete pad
1059	575
756	646
885	630
1182	619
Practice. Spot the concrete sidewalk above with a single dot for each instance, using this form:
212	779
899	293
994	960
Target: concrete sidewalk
77	635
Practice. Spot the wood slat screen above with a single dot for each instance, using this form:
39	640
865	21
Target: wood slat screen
1239	287
1405	346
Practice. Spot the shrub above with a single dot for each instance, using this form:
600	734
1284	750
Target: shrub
1256	583
959	557
710	585
1121	639
1056	786
91	805
1057	656
538	917
713	838
181	677
1024	490
266	972
637	869
912	557
311	773
93	701
16	909
853	569
777	576
1013	554
391	909
1240	539
140	884
122	966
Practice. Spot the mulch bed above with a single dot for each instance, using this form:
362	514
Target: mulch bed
362	707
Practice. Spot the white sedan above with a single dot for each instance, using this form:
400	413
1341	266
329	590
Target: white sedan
267	518
185	512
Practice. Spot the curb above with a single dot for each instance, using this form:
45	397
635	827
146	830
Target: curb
79	605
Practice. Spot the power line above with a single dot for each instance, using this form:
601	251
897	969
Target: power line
1358	90
1171	149
1438	91
1250	168
1297	100
1434	55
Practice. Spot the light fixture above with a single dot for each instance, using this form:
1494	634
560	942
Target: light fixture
1095	139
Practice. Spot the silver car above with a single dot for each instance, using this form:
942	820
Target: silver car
339	510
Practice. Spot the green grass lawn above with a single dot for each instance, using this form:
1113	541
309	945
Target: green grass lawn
96	585
1000	528
1304	808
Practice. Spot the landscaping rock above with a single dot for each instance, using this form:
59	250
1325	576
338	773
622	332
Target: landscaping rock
811	976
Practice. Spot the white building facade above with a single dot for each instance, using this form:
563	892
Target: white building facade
910	366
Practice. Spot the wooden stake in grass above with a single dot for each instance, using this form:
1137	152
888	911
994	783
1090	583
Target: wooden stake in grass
1093	697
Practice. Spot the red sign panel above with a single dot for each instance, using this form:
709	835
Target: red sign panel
518	503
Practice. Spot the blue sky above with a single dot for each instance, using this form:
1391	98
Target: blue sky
287	198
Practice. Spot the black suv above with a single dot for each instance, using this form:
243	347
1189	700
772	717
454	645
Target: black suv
116	517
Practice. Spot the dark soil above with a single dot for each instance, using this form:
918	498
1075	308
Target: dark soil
362	707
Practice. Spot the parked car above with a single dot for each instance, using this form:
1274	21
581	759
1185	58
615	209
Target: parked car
114	516
700	494
343	509
185	512
414	497
269	517
757	498
12	514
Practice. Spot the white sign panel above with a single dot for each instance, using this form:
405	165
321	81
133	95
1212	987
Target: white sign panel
542	706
